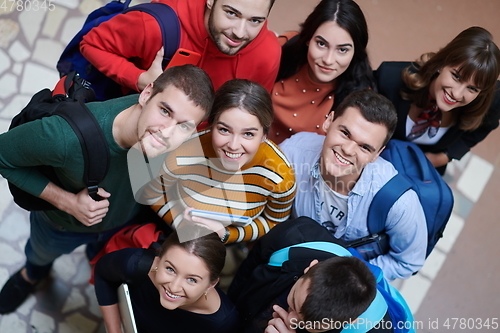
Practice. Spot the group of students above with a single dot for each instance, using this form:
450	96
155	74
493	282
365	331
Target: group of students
331	115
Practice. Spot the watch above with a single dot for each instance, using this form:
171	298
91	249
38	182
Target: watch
446	153
226	235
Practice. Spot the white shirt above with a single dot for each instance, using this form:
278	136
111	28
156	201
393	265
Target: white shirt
333	204
425	139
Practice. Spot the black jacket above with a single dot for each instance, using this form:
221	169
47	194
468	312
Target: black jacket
256	285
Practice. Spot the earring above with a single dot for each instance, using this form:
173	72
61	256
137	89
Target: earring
206	298
155	269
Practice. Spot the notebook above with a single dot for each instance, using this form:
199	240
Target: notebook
126	311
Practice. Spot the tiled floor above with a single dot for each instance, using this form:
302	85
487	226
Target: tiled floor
460	278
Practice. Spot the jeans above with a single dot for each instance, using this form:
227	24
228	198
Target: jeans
48	241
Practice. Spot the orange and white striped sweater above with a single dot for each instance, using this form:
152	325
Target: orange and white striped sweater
192	176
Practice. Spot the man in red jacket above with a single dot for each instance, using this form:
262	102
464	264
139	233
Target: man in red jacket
231	36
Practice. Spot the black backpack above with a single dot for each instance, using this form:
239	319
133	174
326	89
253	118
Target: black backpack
67	100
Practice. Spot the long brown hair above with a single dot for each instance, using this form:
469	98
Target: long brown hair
476	56
349	16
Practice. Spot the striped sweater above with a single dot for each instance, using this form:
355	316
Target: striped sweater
192	176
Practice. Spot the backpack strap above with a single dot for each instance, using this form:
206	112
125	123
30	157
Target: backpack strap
279	257
378	307
383	201
370	318
169	25
94	145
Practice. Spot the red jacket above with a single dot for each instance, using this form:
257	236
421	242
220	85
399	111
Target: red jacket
125	46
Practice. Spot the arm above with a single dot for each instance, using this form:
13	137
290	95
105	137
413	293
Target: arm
152	73
81	206
110	46
129	265
407	232
112	318
49	144
277	209
123	266
232	234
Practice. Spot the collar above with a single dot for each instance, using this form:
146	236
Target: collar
362	185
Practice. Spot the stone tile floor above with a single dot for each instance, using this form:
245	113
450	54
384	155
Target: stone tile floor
30	44
31	41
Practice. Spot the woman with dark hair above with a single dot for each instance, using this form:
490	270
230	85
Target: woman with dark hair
319	67
173	292
229	168
447	101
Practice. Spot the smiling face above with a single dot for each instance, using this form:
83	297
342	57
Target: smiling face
167	120
350	144
451	91
182	279
330	52
236	138
233	24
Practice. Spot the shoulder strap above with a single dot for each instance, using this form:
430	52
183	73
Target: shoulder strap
280	256
169	25
377	309
383	201
94	145
370	318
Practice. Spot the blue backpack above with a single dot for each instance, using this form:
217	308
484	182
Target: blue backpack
388	299
104	87
415	172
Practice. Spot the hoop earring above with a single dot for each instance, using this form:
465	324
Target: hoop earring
206	298
155	269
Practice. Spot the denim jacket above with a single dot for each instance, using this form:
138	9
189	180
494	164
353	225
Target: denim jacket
405	223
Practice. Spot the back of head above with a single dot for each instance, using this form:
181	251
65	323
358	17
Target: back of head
348	15
374	107
341	289
201	242
246	95
477	57
191	80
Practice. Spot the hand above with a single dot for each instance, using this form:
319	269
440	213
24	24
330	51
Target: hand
81	206
437	159
152	73
216	226
278	323
88	211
